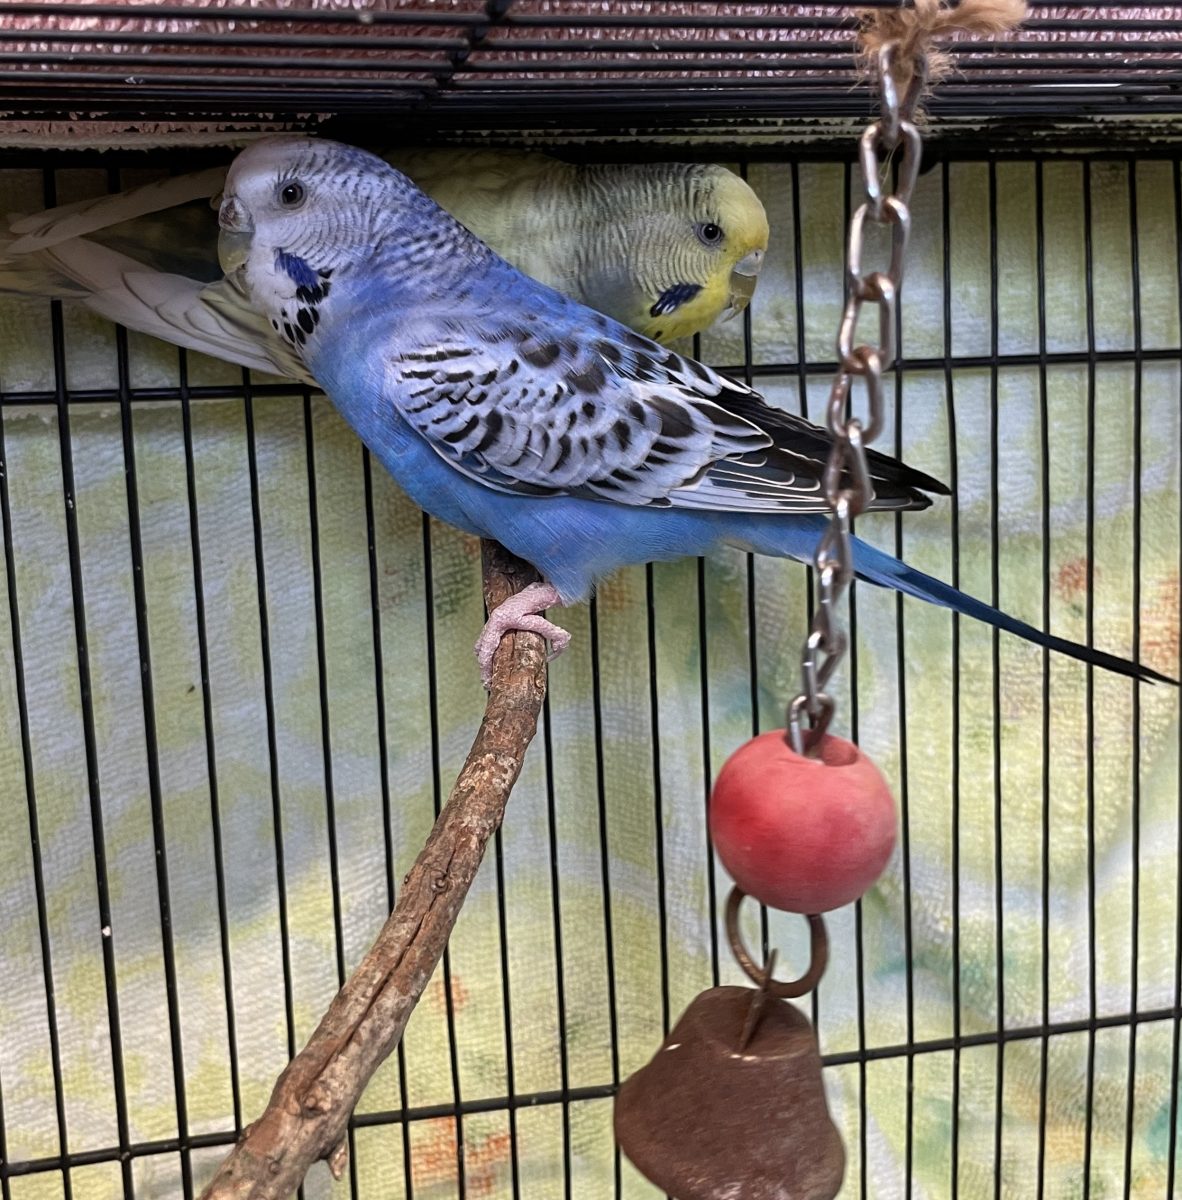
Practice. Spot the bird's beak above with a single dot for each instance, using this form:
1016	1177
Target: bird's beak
744	277
236	234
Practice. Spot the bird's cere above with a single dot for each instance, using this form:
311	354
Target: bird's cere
232	215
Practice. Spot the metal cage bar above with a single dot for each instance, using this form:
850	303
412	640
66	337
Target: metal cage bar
908	1053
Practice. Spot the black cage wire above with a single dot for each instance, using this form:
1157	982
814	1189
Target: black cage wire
1003	1014
509	65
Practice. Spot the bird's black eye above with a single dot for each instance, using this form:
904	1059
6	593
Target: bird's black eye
710	233
291	194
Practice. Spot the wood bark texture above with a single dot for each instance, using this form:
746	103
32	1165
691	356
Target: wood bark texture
309	1110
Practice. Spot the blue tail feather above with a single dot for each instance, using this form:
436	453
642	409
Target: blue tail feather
875	566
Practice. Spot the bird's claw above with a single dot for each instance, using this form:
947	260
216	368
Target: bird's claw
520	612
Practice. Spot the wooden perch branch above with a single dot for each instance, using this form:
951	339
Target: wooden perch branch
309	1110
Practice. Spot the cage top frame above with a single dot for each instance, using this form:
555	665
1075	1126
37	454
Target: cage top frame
736	71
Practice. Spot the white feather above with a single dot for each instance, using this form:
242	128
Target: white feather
57	225
214	319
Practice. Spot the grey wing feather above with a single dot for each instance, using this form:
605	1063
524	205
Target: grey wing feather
617	418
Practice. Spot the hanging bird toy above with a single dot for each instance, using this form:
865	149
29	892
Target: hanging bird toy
733	1104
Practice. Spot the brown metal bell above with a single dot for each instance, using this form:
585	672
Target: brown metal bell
704	1120
732	1106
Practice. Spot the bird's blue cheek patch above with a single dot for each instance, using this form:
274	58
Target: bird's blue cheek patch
296	269
674	297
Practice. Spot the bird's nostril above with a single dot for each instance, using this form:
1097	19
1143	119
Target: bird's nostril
232	215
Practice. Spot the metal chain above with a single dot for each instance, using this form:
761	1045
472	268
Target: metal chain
847	484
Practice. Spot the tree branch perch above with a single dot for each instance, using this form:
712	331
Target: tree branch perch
309	1110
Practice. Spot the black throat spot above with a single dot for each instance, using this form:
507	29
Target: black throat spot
297	326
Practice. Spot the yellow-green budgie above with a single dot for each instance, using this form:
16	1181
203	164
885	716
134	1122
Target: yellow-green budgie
663	247
666	248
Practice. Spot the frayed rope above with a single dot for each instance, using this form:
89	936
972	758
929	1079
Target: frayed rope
914	29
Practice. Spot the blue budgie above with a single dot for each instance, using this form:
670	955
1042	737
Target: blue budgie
512	412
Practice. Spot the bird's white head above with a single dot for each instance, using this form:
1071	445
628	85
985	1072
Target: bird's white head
297	193
298	213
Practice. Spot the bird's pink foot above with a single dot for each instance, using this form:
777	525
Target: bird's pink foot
520	612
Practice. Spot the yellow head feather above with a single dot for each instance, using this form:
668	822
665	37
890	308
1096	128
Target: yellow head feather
742	218
668	247
628	239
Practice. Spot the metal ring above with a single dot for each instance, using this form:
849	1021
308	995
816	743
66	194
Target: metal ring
874	169
871	179
865	362
878	289
835	406
909	166
834	549
818	954
820	707
897	216
888	94
817	673
850	460
919	80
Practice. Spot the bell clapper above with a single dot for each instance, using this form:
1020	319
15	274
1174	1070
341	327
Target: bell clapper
758	1001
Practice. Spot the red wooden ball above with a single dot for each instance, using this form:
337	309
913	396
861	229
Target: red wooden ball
802	834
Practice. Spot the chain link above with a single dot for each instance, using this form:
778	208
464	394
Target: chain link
847	483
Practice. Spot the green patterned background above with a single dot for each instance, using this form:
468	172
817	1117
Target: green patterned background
647	772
